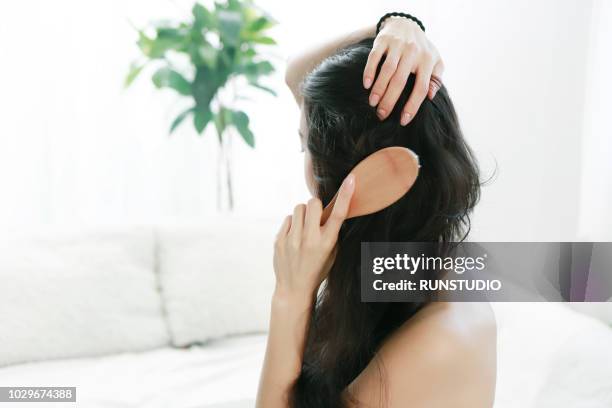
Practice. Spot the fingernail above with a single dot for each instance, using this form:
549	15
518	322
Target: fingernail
405	118
349	181
374	98
381	113
367	82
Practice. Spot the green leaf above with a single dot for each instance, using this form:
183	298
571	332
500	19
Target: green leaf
253	70
207	82
168	78
230	24
135	69
208	55
203	17
263	87
171	35
260	24
263	40
234	5
145	43
248	53
225	58
240	120
157	47
201	118
179	119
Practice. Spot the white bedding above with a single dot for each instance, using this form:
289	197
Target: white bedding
221	374
548	357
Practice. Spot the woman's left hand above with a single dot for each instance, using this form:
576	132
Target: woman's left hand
304	249
407	51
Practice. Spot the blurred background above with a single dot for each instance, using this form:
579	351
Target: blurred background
134	287
529	79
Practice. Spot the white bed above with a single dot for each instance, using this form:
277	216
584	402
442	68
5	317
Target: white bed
221	372
109	312
549	357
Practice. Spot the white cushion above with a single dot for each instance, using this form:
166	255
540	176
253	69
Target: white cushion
217	277
72	294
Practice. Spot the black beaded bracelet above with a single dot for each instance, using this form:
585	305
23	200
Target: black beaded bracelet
396	14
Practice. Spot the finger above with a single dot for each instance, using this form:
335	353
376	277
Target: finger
297	223
418	94
378	50
434	87
312	221
386	72
341	207
438	71
284	229
396	86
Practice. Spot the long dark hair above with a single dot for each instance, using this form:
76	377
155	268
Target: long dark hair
344	332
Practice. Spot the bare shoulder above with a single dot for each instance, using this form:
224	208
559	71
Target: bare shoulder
449	328
443	356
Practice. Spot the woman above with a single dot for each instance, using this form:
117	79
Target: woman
326	348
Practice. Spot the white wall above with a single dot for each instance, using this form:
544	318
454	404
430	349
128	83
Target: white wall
517	73
596	197
76	147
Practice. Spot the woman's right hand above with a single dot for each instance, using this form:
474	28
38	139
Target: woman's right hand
303	254
304	250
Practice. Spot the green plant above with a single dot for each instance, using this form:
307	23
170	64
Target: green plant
221	46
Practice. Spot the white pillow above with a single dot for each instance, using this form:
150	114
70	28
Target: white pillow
217	278
72	294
